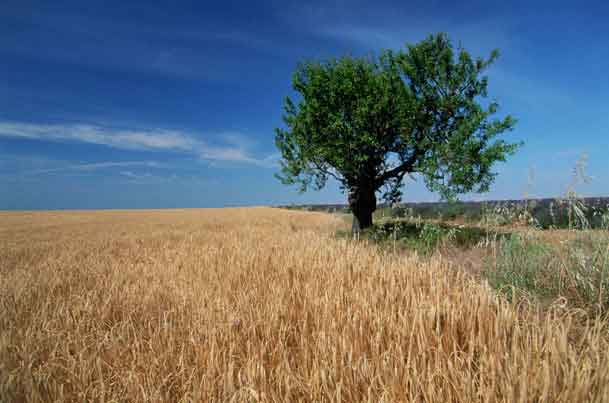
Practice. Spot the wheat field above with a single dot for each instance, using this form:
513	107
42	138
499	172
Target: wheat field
265	305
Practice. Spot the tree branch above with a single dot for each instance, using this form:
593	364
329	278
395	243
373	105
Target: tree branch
400	170
326	171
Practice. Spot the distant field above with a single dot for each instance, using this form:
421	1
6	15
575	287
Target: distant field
263	305
547	213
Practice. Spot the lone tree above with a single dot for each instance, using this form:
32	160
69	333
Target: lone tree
368	122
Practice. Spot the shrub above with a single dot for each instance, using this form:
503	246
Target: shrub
432	235
424	237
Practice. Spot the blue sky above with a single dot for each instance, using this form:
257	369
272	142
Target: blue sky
150	104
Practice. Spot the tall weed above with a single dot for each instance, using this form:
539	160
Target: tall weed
577	270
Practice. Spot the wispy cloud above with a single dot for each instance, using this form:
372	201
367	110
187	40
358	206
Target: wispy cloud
235	150
125	139
133	175
92	167
136	178
18	173
148	178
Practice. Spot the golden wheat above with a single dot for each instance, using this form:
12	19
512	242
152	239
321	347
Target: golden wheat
265	305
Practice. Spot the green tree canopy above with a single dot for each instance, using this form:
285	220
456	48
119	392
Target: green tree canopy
368	122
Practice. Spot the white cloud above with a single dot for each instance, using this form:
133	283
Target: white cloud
91	167
126	139
131	174
142	178
147	178
234	151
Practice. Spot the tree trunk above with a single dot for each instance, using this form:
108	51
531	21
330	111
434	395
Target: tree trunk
362	202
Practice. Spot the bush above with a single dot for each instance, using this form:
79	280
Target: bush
424	237
431	235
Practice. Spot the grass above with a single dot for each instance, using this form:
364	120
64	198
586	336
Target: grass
265	305
576	269
526	262
425	237
559	213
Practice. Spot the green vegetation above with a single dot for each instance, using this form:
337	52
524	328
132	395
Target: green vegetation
531	259
370	122
425	237
540	213
577	270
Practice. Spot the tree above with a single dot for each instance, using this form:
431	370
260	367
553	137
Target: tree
368	122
